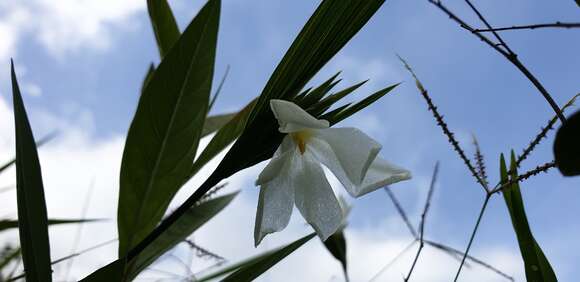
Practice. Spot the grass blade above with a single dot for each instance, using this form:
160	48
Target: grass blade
536	264
33	227
165	132
6	224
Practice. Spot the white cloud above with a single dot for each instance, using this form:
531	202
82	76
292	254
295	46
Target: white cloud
65	25
72	162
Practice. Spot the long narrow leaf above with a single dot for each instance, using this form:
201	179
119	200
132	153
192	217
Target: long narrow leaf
214	123
164	25
253	267
6	224
193	220
536	264
33	227
111	272
165	132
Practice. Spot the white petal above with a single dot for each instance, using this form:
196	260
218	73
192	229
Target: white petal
276	200
380	174
315	199
292	118
347	152
274	167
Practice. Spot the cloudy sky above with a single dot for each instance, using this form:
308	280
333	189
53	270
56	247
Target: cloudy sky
81	62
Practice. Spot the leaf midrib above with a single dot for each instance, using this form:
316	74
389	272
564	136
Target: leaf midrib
166	135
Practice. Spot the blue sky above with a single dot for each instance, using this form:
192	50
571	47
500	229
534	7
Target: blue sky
81	66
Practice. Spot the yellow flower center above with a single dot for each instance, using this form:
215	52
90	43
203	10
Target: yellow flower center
301	138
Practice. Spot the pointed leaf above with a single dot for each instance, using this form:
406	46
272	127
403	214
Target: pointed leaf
33	228
164	25
40	142
214	123
567	146
255	268
165	132
360	105
196	217
336	245
110	272
6	224
536	265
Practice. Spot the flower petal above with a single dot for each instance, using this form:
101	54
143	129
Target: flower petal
347	152
276	199
276	164
315	199
292	118
380	174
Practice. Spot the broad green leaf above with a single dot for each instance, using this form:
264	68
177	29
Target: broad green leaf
33	227
214	123
111	272
164	25
567	146
536	264
6	224
336	245
250	269
165	132
184	227
148	76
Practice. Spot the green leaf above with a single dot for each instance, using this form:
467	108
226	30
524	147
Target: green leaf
164	25
111	272
165	132
536	264
334	119
224	137
567	146
33	228
148	76
250	269
196	217
6	224
214	123
331	26
336	245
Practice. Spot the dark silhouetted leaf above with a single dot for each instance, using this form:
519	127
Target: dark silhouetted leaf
164	25
567	146
111	272
165	132
214	123
536	264
255	268
33	227
187	224
6	224
336	245
38	144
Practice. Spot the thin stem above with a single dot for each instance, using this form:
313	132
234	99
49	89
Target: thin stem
510	56
465	254
401	212
421	245
531	26
393	260
541	168
480	16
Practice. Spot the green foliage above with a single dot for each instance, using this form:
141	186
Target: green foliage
259	265
214	123
567	146
165	132
537	266
110	272
187	224
164	25
33	227
6	224
336	245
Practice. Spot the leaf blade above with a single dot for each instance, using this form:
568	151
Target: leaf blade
33	230
164	25
163	137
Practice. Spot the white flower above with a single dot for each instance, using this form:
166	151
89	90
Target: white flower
294	174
